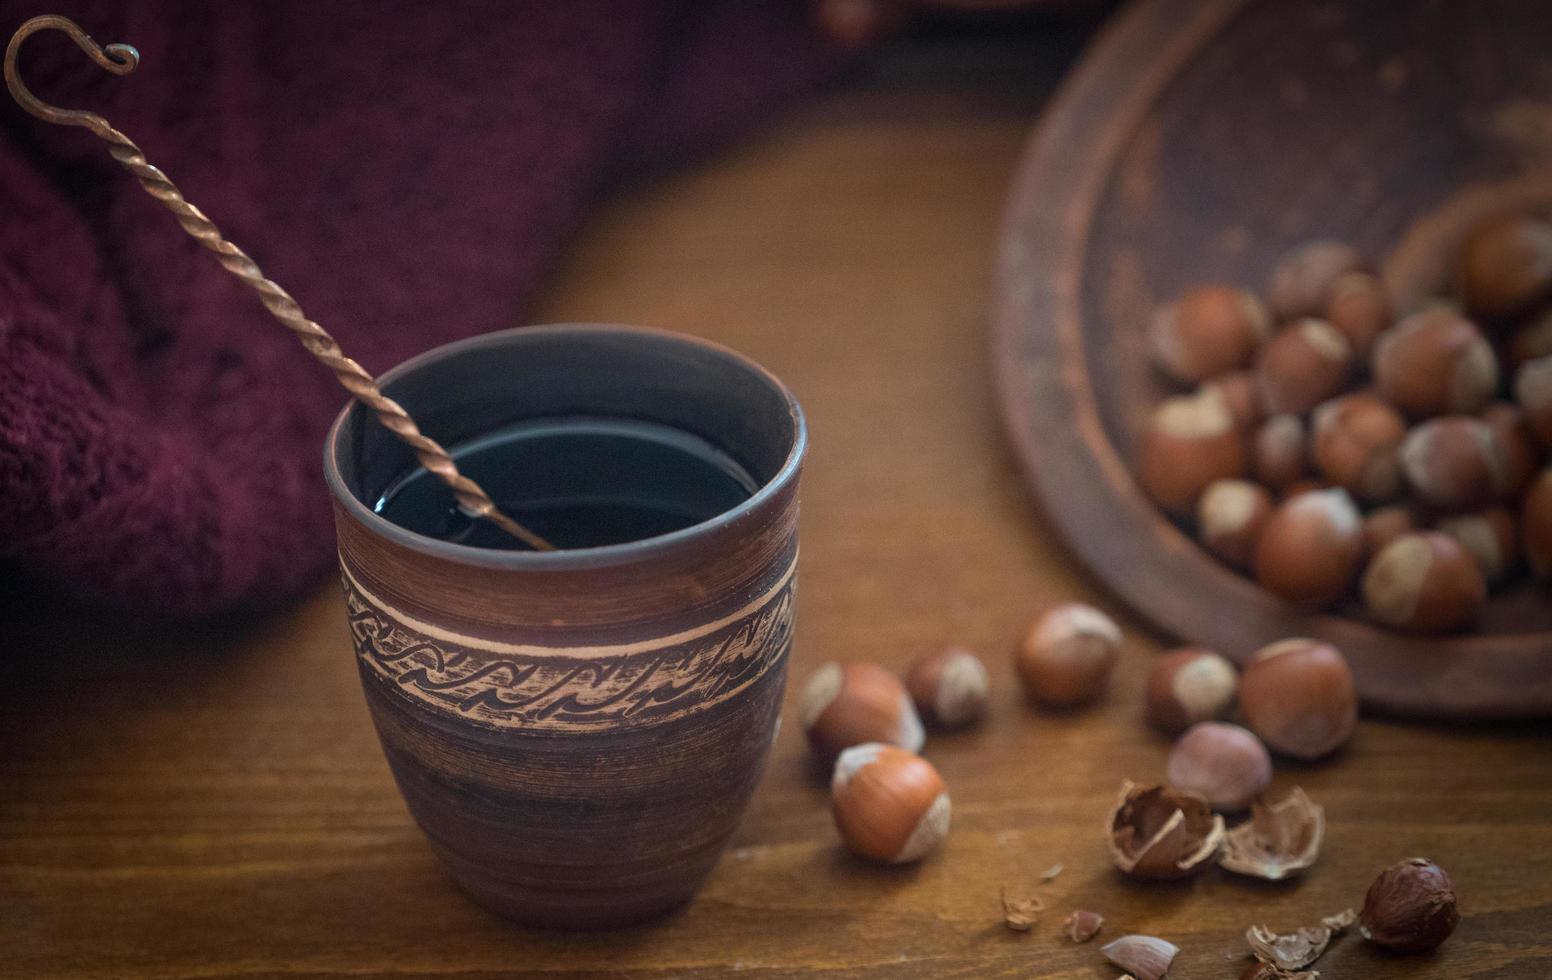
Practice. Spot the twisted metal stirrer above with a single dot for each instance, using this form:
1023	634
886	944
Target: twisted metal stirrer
121	59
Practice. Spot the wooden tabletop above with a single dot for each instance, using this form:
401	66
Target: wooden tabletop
211	802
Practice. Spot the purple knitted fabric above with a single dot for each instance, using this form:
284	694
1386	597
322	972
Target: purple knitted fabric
406	170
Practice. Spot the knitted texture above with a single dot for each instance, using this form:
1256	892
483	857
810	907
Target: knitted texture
407	171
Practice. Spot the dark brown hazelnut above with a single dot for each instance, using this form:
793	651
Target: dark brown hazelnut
1359	307
1238	391
1207	331
1536	525
1384	525
1521	454
1310	548
949	687
1492	539
1354	442
1187	686
1424	582
1302	278
1229	518
1298	696
1410	908
1191	441
1305	363
1279	451
1435	362
1506	265
1533	391
1454	464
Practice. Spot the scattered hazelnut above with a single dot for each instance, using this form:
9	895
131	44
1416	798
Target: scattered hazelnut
1490	537
1536	525
1303	365
1067	655
1410	908
949	687
1144	957
1191	441
1208	330
846	704
1435	362
1454	463
1278	841
1224	763
1298	695
1082	925
1425	582
1511	432
1238	391
1383	525
889	804
1359	307
1532	340
1229	516
1278	453
1187	686
1506	265
1309	549
1303	277
1158	833
1355	441
1533	391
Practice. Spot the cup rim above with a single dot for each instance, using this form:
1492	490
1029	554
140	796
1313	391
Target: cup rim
563	558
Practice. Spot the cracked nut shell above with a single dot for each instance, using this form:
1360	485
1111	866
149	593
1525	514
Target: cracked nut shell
1157	833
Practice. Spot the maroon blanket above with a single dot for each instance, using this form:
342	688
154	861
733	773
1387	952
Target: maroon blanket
406	170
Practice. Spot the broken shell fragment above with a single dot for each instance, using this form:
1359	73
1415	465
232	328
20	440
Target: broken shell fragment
1258	970
1082	925
1279	840
1288	952
1021	914
1158	833
1144	957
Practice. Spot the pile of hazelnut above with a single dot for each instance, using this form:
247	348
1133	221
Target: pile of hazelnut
1328	444
1295	697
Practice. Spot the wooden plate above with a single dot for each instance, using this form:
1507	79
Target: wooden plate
1196	142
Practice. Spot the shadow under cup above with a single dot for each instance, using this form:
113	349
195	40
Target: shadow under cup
577	732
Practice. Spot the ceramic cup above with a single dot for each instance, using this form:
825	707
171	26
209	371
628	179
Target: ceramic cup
577	732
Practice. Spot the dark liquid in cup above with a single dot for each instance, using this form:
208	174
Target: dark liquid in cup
578	482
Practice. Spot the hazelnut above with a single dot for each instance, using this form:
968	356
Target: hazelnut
1410	908
1067	655
1536	525
1158	833
1303	365
1303	277
1298	695
1454	463
1426	582
1224	763
1506	265
1228	518
1278	453
1208	330
1307	485
1187	686
1533	391
1384	525
1238	391
949	687
1142	957
1532	340
1511	432
1435	362
1310	548
1191	441
1354	445
889	804
1359	306
846	704
1278	841
1490	537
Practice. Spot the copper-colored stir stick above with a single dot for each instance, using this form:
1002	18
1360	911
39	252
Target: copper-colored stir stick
121	59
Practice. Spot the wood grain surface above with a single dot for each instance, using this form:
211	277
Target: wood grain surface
212	802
